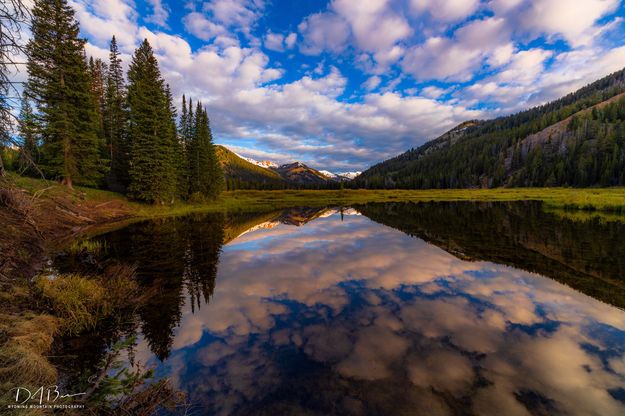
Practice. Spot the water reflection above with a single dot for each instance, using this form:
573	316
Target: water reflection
342	315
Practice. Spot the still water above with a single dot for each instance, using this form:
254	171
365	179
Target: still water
384	309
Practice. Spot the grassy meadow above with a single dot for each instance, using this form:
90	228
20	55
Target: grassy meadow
601	200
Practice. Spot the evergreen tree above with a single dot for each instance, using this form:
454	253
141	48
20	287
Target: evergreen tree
183	163
29	151
98	71
152	156
194	151
182	187
205	174
59	83
217	180
115	119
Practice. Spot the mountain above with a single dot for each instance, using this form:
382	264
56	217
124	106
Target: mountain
299	173
267	164
241	174
577	140
246	173
341	176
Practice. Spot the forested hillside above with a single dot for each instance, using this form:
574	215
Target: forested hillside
241	174
578	140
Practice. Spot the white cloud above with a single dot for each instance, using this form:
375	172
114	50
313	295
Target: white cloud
575	22
223	17
433	92
274	41
373	25
372	83
524	67
446	10
160	13
103	19
279	42
290	40
323	32
198	25
477	43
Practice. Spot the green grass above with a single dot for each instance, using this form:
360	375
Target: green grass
606	200
81	302
87	246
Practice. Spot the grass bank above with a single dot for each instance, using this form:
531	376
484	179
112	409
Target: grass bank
605	200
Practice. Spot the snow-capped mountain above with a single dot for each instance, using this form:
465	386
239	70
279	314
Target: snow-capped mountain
283	169
341	176
328	174
349	175
267	164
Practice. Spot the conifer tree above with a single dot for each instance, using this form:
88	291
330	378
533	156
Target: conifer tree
183	135
59	83
205	174
194	152
29	151
115	119
97	71
182	187
217	179
152	156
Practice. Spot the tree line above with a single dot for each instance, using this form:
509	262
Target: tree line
83	122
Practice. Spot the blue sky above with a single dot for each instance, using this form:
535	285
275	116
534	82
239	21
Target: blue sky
343	84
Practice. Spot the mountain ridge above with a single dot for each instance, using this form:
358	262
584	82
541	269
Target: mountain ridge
577	140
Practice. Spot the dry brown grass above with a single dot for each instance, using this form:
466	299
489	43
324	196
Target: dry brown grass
27	338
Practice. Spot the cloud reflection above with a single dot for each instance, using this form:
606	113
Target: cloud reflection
358	309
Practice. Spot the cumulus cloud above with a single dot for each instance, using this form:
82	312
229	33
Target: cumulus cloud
103	19
160	13
576	23
472	46
323	32
445	10
218	17
374	26
279	42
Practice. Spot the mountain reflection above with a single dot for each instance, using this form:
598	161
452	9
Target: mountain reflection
342	315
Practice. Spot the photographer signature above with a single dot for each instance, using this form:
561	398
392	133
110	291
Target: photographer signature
47	394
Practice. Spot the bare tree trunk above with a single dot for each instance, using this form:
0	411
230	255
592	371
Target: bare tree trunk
67	181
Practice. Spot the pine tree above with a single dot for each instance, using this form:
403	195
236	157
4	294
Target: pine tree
97	71
115	119
217	180
205	174
152	155
194	151
59	83
29	151
182	188
183	162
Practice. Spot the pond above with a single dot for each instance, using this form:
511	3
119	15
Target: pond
380	309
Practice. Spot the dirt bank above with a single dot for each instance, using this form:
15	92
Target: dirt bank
33	224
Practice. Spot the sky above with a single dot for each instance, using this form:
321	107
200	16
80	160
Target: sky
343	84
